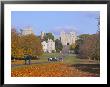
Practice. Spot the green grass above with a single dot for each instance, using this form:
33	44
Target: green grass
45	56
70	59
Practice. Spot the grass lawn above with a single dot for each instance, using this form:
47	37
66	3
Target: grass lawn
68	67
43	58
68	59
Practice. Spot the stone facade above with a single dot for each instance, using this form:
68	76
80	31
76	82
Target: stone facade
68	38
48	46
44	46
26	31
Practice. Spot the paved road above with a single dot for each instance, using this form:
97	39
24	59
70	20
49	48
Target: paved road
65	49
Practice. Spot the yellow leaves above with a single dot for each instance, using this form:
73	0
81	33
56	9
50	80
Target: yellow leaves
28	51
27	44
17	53
48	70
72	47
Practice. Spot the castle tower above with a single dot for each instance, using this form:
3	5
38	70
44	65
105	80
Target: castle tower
68	38
42	35
26	31
63	38
73	37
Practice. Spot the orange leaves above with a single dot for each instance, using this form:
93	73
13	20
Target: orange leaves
48	70
25	44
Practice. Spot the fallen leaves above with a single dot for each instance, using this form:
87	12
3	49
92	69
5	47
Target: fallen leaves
49	70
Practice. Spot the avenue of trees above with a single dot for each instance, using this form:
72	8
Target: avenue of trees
21	45
88	46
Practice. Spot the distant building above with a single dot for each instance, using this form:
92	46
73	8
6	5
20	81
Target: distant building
26	31
48	46
68	38
44	45
42	35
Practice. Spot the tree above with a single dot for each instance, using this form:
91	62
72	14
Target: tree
90	48
80	41
72	47
98	24
58	45
31	45
15	44
25	44
83	36
48	36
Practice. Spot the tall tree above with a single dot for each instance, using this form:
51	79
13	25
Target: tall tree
16	50
80	41
24	44
58	45
90	48
31	45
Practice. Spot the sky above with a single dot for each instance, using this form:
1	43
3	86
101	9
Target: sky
82	22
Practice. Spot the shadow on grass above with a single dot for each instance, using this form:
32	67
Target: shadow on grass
91	68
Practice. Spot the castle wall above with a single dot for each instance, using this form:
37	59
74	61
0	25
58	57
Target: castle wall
68	38
26	31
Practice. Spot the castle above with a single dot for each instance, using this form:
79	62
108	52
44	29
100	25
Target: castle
68	38
49	45
26	31
42	35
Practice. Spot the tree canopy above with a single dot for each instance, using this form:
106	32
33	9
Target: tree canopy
48	36
88	46
25	44
58	45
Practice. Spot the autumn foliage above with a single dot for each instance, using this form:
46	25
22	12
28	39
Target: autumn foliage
28	44
49	70
91	47
88	46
